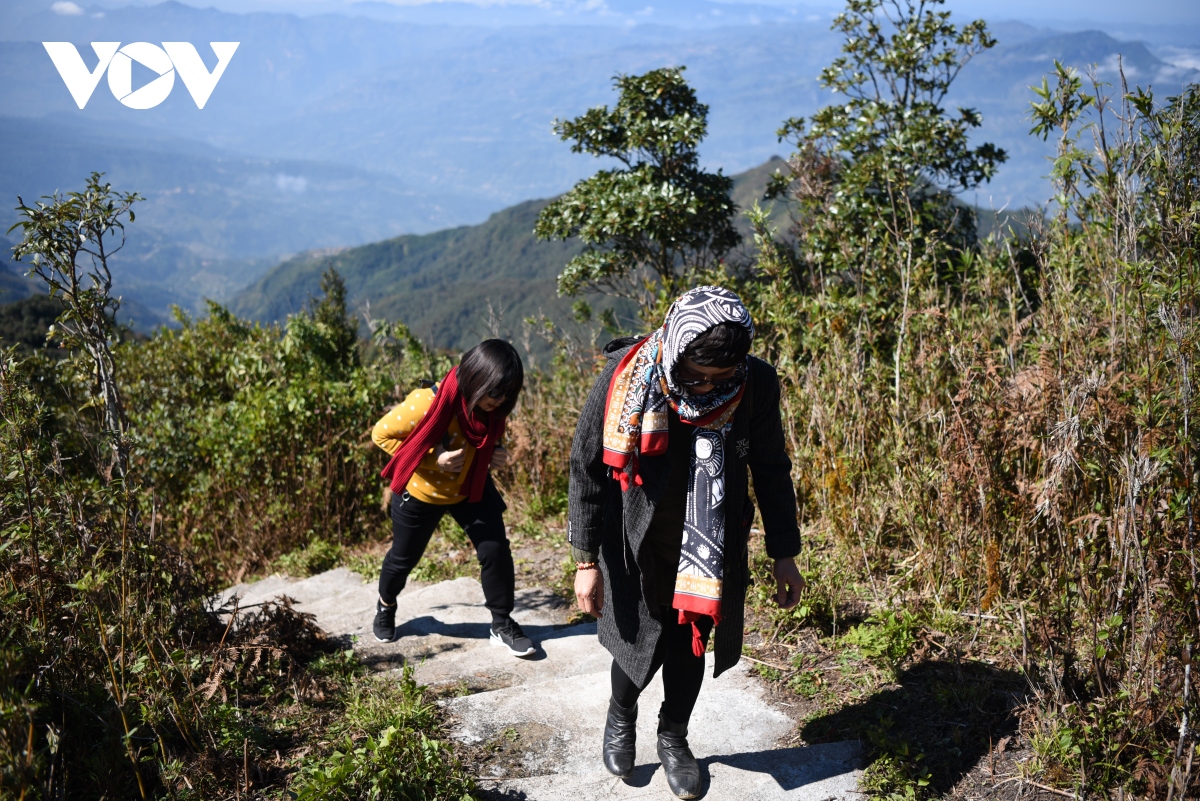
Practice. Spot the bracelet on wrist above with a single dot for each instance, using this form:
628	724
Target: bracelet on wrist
585	566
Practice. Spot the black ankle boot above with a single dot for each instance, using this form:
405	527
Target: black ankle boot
683	774
620	732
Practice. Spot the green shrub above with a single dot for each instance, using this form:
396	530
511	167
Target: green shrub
896	778
806	683
254	441
768	673
316	557
887	637
382	750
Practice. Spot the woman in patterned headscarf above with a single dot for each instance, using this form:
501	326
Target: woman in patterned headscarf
659	515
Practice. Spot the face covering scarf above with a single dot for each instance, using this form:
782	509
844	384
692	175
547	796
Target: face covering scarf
482	430
642	390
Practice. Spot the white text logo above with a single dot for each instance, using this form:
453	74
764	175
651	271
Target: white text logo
172	57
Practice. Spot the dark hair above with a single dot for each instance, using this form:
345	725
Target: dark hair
723	345
491	368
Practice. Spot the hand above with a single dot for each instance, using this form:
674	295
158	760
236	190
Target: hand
499	458
450	461
788	582
589	591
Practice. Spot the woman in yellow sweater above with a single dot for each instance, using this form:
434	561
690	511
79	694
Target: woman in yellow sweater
443	441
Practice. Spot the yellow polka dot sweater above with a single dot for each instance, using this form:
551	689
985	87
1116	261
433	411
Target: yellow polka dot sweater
429	483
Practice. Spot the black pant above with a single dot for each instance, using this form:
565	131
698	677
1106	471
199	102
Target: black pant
413	523
682	671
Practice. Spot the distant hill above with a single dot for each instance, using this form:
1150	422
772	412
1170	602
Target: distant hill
438	284
441	284
21	297
26	311
13	285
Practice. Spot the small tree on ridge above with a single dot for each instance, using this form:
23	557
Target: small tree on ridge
659	216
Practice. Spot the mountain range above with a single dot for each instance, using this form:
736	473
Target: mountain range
453	287
336	130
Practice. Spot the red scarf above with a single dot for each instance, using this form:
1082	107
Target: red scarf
482	430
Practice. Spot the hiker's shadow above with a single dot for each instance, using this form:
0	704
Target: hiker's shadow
458	636
428	624
425	625
789	767
950	713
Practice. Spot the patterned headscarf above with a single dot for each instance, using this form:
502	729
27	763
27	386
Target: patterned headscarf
636	420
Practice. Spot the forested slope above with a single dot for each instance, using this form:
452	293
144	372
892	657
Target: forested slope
441	285
438	284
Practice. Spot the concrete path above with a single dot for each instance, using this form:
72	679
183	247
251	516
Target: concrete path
551	706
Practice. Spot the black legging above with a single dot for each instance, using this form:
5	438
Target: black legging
413	523
682	671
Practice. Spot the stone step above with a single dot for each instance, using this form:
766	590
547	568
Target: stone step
550	708
812	773
558	725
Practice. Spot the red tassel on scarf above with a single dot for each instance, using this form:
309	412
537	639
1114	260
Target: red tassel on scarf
628	477
482	431
687	616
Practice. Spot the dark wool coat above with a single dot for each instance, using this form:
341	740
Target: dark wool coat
603	520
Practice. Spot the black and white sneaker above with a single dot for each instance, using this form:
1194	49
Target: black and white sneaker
385	621
508	633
